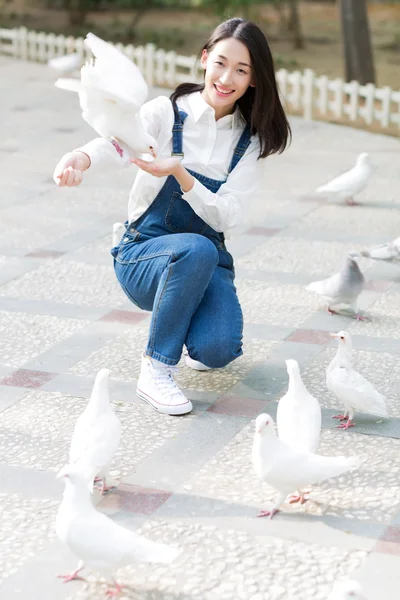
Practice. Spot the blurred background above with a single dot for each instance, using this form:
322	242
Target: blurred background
354	39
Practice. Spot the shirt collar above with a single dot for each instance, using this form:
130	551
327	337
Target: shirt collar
199	106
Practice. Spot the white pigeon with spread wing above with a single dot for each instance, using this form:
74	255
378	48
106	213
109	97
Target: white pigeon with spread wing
350	388
97	432
352	182
343	287
286	469
100	544
298	418
389	252
111	92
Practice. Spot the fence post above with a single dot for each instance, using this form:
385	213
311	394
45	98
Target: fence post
369	103
354	96
23	43
323	87
160	66
308	93
386	101
171	68
338	102
149	69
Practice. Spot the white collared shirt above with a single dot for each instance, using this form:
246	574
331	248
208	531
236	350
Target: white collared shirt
208	147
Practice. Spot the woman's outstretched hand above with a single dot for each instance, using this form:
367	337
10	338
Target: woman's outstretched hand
70	169
158	167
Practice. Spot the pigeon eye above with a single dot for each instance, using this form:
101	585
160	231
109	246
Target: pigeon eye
342	337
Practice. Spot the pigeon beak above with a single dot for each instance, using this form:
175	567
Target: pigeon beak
334	335
152	152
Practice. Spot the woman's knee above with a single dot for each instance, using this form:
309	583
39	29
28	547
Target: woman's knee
217	354
199	251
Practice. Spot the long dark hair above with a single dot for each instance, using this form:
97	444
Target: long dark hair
260	105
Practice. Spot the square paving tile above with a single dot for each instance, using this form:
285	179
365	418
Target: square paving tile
26	528
26	336
36	432
274	304
70	282
348	221
295	255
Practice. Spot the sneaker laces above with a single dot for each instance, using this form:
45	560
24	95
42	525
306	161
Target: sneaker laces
164	380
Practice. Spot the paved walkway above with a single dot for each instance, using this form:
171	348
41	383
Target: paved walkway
189	480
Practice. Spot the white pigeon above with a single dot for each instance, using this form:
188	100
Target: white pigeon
97	432
111	93
286	469
352	182
118	230
65	64
100	544
343	287
389	252
347	590
351	388
298	418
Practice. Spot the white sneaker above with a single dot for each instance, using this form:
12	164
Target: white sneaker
194	364
156	385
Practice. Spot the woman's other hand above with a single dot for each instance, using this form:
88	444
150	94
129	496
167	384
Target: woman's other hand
69	170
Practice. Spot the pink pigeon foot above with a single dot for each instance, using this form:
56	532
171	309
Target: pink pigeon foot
346	425
332	312
72	576
299	498
351	202
268	513
104	488
341	417
360	317
117	589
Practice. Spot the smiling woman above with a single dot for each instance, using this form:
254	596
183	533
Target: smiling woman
172	259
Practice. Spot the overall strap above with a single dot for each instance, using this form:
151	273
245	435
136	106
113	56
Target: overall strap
177	131
241	147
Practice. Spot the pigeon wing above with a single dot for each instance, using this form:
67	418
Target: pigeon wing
355	391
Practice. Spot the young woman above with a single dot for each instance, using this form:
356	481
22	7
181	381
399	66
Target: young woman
172	259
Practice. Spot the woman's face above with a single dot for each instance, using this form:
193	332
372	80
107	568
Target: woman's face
228	75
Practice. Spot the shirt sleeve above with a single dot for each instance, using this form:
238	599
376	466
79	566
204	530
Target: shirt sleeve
111	152
226	209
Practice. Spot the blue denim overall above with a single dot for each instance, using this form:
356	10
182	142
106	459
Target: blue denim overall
171	262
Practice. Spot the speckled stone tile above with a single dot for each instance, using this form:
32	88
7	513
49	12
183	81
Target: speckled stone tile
370	493
274	304
101	246
26	527
36	432
294	255
230	564
123	357
69	282
380	368
384	317
25	336
349	221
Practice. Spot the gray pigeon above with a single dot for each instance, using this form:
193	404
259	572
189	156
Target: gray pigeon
389	252
342	288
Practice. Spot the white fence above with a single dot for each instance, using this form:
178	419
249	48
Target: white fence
312	96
